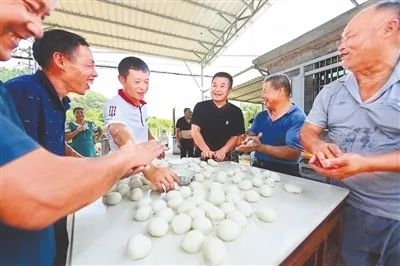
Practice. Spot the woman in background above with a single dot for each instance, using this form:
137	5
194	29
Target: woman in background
82	134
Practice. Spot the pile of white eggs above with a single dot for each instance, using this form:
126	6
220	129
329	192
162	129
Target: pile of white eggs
213	209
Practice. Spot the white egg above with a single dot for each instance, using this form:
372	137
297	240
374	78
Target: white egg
266	214
138	246
136	194
228	230
157	227
112	198
214	251
143	213
181	224
291	188
193	241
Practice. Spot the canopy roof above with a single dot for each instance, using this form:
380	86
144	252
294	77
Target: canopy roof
189	30
319	41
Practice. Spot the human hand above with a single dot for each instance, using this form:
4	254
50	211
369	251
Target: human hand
134	170
345	165
161	156
249	144
220	155
178	144
322	151
144	153
207	154
161	177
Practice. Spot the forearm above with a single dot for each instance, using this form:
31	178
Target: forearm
389	162
178	136
150	136
281	152
310	138
230	144
72	134
69	151
120	134
34	197
99	134
200	143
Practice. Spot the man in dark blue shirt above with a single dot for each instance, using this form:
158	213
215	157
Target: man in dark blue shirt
277	146
41	99
38	187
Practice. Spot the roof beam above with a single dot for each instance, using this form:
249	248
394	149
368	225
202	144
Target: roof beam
142	52
210	8
113	3
128	25
123	38
354	2
247	13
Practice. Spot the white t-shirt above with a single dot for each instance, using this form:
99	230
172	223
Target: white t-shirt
118	110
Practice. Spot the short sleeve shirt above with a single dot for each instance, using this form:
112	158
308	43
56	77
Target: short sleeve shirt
119	110
182	124
20	247
40	109
218	125
369	127
284	131
83	142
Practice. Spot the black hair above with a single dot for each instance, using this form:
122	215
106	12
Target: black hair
186	109
224	75
77	108
53	41
280	81
132	62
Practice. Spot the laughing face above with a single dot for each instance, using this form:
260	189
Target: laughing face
21	19
136	84
80	70
220	88
270	96
362	44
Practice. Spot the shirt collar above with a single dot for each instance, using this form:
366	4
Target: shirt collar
128	100
351	84
44	80
224	107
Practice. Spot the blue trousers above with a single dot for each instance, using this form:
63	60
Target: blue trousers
369	239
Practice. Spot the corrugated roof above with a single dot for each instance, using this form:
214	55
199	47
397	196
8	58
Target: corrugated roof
194	31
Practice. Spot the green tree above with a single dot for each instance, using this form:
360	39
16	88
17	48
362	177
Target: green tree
157	125
93	103
9	73
250	110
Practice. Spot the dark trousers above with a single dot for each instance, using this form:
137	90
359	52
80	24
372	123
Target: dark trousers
369	240
289	169
62	241
187	147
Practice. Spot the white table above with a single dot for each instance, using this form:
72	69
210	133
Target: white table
101	232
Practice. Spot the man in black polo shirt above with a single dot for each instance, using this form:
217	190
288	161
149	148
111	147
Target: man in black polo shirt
217	124
184	139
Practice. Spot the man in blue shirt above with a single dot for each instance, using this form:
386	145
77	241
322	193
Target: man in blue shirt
41	99
275	131
37	187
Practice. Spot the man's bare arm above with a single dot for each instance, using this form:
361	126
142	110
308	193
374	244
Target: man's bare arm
39	187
